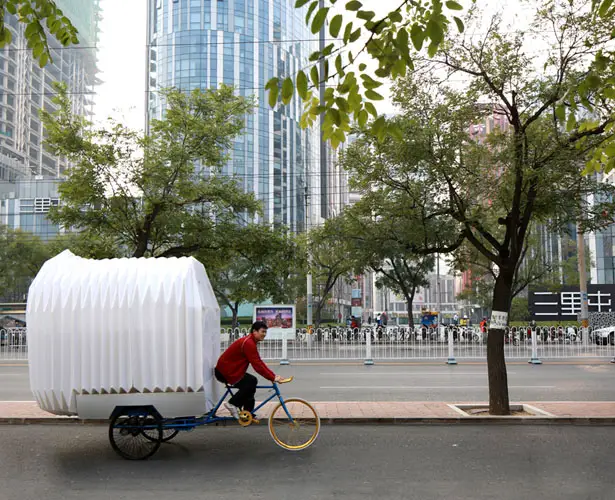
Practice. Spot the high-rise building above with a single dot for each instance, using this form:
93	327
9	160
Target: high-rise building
25	88
243	43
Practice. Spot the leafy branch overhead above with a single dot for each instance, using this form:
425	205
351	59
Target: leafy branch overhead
356	36
40	17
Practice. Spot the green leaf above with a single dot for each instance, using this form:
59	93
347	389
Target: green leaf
335	116
367	15
453	5
362	118
287	90
300	3
378	127
347	32
354	5
395	132
335	25
319	19
459	23
31	30
43	60
310	11
302	84
372	95
273	83
432	49
338	65
11	8
355	35
418	36
37	50
604	7
434	31
560	113
571	122
402	43
362	66
395	17
314	76
371	109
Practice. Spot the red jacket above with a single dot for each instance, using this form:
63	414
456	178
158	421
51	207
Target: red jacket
234	362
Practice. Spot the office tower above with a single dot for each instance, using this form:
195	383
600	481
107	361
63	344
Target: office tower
243	43
26	192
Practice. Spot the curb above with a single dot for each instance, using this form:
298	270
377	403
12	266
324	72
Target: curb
482	420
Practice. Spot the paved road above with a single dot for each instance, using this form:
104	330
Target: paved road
410	382
347	462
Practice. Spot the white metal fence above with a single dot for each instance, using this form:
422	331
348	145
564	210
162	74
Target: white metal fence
399	343
13	344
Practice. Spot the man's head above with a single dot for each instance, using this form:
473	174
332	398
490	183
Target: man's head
259	330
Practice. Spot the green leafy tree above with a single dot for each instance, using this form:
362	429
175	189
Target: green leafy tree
145	192
330	261
41	18
260	263
379	246
526	172
356	36
21	256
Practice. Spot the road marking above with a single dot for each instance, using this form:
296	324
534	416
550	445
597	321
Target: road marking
425	387
452	372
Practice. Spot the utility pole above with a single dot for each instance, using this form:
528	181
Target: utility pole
582	282
309	273
438	305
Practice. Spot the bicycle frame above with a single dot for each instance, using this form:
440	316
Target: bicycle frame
188	423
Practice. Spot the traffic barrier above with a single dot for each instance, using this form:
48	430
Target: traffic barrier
450	344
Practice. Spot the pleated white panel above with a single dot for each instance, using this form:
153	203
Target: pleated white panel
118	326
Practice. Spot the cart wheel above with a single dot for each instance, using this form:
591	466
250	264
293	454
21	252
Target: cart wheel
298	433
167	434
135	435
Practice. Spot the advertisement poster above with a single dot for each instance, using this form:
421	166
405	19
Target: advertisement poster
280	320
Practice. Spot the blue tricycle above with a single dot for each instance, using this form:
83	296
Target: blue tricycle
136	432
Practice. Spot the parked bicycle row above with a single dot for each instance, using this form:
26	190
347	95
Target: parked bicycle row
512	335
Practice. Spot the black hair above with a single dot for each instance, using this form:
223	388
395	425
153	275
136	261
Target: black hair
257	325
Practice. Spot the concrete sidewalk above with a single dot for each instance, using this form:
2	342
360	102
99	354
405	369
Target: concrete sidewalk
563	412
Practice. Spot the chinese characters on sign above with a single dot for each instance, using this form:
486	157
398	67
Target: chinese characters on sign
566	304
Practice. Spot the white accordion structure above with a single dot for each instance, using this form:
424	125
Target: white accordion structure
122	332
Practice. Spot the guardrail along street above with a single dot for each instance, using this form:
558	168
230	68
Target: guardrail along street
400	343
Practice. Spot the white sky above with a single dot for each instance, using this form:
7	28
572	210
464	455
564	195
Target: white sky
122	54
122	62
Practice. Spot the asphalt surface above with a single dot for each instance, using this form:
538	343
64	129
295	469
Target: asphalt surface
409	382
347	462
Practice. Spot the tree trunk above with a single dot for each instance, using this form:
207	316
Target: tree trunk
235	311
409	302
496	366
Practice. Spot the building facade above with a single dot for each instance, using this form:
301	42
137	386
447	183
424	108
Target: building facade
243	43
25	166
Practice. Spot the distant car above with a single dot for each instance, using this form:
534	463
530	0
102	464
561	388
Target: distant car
604	336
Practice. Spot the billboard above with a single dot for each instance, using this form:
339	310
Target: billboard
280	320
565	304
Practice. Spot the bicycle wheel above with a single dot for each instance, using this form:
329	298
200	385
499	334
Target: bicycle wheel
127	434
298	433
167	434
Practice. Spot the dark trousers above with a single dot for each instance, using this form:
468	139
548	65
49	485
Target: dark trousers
244	397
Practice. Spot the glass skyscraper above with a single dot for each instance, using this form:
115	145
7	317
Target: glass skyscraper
243	43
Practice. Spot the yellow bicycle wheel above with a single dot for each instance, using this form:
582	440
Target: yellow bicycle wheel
299	431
